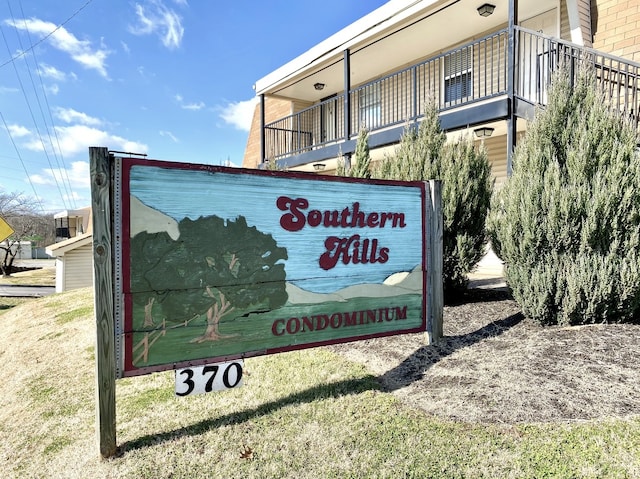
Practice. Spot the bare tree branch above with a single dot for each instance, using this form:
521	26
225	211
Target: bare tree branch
21	213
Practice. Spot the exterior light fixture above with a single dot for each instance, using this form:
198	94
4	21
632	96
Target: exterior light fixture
319	166
318	86
486	9
484	132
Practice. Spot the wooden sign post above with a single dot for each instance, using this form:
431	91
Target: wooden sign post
101	207
434	222
200	264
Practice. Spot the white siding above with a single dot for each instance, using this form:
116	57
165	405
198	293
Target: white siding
78	268
60	274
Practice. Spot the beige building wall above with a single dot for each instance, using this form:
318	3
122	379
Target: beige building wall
616	27
275	108
497	153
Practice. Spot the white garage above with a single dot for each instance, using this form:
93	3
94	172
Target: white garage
74	262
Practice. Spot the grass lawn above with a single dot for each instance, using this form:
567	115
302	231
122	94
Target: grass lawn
305	414
36	277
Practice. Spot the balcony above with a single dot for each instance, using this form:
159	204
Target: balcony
470	84
71	223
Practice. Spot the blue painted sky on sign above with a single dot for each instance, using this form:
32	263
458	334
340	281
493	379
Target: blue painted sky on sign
181	193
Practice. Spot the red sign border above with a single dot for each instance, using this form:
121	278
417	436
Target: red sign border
128	370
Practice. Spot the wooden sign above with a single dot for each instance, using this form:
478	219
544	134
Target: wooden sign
220	263
197	264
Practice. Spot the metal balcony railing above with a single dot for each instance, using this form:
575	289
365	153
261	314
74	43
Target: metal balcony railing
310	128
539	56
468	74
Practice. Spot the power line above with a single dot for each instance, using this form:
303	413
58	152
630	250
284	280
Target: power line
35	123
62	168
64	174
7	167
22	53
6	127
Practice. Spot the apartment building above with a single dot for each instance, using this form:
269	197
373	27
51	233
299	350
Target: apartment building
487	65
73	249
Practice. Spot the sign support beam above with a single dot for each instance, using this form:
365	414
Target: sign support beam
101	205
433	244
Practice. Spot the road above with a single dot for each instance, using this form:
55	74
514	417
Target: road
17	291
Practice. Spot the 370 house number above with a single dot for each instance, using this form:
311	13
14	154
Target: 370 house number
213	377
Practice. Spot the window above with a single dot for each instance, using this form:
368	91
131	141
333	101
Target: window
458	75
369	106
62	229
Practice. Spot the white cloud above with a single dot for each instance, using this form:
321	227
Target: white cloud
74	195
52	72
80	50
78	176
78	138
18	131
170	135
94	60
52	89
189	106
239	114
141	71
193	106
69	115
154	17
4	89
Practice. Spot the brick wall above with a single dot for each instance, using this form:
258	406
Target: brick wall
275	108
616	27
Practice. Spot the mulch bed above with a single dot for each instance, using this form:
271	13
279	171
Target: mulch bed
496	366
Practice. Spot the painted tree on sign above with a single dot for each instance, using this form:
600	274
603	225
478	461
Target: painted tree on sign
221	268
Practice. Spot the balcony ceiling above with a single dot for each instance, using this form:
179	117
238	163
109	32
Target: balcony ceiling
426	31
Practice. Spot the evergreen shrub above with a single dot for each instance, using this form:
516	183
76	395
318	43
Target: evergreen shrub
567	222
424	154
361	161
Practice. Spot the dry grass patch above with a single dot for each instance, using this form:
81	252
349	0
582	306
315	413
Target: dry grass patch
8	303
34	277
305	414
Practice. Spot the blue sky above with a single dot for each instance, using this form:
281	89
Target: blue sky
169	78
